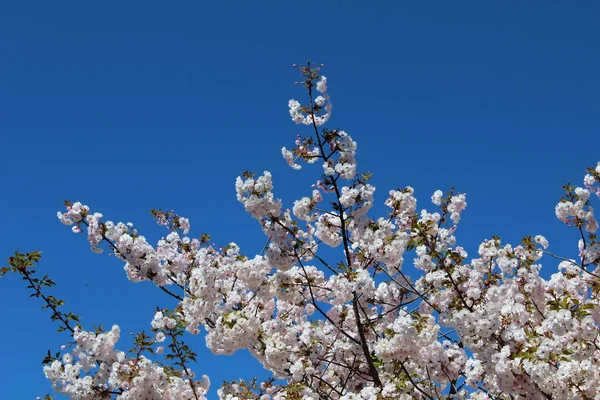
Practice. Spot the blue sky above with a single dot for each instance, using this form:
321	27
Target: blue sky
128	106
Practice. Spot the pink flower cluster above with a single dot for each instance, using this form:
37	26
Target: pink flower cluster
95	367
358	326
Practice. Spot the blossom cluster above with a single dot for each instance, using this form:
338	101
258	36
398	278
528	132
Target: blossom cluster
94	369
360	326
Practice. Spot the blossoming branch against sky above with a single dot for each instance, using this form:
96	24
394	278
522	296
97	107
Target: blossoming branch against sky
137	106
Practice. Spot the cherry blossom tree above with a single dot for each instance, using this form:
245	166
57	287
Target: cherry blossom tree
401	312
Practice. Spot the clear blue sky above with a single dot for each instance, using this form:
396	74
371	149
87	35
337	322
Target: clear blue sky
128	106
